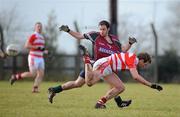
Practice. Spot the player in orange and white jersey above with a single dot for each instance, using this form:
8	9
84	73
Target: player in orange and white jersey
107	67
36	45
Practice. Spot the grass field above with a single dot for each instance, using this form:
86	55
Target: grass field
18	101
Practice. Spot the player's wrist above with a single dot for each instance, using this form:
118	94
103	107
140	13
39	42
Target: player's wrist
132	40
64	28
130	43
68	30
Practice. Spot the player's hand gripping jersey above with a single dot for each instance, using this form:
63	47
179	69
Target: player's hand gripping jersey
37	39
100	45
117	61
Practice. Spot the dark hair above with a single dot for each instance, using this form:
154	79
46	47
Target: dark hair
38	23
145	56
104	22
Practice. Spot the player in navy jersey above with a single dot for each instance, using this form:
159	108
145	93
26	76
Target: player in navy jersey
104	44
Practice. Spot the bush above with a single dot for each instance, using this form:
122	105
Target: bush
168	66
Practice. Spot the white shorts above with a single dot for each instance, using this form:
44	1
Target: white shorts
35	63
104	66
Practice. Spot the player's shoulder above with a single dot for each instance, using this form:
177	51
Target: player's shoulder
91	35
130	55
33	36
93	32
114	37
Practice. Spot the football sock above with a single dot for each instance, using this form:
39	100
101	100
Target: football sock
35	88
86	59
57	89
18	76
103	100
118	100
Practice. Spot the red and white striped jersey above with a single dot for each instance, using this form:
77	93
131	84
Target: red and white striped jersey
38	40
122	61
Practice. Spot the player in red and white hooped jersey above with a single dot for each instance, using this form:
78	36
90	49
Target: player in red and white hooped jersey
36	45
106	68
116	62
36	40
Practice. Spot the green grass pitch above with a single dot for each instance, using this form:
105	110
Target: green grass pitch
18	101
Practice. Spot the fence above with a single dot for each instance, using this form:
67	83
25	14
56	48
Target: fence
67	67
64	66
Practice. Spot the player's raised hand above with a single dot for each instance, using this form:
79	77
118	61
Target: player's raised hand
156	86
64	28
132	40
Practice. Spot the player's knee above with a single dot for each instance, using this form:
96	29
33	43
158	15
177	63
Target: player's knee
89	84
33	74
120	88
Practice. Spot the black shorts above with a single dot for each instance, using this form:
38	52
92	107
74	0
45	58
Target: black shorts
82	74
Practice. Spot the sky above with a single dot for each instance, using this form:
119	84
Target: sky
86	12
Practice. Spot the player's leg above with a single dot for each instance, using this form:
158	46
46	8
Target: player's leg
79	82
118	100
121	103
31	73
23	75
117	88
38	80
90	79
40	65
88	74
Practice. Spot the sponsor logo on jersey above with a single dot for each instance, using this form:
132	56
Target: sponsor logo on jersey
107	51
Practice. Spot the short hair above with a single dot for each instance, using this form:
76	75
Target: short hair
104	22
144	56
38	23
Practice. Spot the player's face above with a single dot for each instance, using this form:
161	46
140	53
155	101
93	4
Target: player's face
103	30
38	28
143	64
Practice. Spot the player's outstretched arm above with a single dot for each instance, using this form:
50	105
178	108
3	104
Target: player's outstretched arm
140	79
126	47
66	28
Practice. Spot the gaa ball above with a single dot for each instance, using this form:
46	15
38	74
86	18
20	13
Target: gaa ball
12	50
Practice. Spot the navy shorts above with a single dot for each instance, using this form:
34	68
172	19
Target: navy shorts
82	74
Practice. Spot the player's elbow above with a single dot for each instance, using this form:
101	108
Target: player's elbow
135	77
26	46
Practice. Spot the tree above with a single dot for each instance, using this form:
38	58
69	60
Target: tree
51	33
10	23
172	26
169	66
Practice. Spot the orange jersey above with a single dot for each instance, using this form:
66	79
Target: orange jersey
36	39
122	61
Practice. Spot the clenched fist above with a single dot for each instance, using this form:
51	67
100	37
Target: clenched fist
64	28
